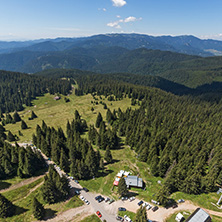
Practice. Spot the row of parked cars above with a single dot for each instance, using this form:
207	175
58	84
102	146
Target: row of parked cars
148	206
85	200
106	200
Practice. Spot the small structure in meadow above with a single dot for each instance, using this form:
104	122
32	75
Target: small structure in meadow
179	217
56	98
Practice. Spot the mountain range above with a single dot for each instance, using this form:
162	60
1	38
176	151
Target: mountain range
185	60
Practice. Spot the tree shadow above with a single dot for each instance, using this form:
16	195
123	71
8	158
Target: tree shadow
4	185
49	214
104	173
19	210
113	161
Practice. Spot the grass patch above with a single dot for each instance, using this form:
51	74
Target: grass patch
130	214
172	217
92	218
56	113
19	193
203	200
216	219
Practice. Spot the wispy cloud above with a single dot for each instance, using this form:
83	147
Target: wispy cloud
119	3
103	9
116	24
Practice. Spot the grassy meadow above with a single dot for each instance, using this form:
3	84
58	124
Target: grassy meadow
56	113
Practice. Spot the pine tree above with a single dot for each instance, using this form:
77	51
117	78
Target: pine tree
10	137
108	156
7	209
141	215
64	162
122	188
16	117
99	120
37	209
33	115
24	125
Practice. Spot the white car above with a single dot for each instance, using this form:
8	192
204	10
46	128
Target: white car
144	204
132	198
127	218
82	198
149	206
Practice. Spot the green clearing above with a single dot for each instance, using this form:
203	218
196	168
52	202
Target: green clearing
130	214
172	217
22	198
92	218
56	113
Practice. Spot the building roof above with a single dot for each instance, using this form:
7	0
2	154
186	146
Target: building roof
134	181
116	183
199	215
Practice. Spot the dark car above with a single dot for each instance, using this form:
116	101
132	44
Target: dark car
119	218
76	181
98	197
174	206
101	199
140	203
122	209
84	188
155	208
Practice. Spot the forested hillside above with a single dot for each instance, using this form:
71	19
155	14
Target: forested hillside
179	137
17	89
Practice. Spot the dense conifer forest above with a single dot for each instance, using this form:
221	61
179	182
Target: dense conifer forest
178	136
17	89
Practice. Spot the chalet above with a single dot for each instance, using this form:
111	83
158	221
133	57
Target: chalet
56	98
134	181
199	215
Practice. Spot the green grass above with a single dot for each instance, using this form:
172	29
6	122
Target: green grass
216	219
130	214
20	193
172	217
92	218
203	200
56	113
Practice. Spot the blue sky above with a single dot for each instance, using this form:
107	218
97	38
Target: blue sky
35	19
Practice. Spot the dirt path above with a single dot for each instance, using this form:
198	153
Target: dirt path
33	189
24	182
74	215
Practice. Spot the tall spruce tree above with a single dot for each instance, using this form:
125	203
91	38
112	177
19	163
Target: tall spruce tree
33	115
99	120
37	209
24	125
16	117
108	156
141	215
10	137
122	188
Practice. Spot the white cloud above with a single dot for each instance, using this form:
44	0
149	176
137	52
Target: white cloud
116	24
118	16
103	9
119	3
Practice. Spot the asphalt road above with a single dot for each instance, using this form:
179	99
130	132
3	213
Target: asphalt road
87	195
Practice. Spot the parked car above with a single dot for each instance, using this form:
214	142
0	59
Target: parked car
76	181
155	208
119	218
144	204
98	197
174	206
84	188
82	198
149	206
140	203
101	199
77	192
124	198
98	214
107	199
181	201
122	209
127	218
111	201
132	198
